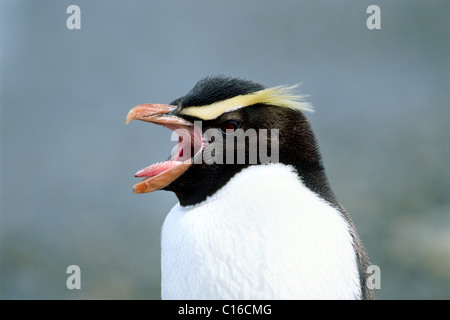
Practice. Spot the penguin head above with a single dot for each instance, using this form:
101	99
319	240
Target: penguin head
224	125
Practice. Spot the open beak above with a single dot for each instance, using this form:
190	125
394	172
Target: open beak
190	144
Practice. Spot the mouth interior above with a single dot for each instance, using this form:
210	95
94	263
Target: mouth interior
190	144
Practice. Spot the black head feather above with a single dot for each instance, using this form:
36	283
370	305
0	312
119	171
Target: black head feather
216	88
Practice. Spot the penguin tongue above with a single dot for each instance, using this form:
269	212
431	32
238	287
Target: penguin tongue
157	168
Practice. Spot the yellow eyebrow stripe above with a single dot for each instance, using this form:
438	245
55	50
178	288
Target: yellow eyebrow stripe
279	96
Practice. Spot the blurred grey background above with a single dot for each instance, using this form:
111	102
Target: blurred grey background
67	159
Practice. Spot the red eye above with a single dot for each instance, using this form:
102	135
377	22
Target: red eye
229	126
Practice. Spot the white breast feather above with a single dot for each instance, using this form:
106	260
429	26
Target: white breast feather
262	236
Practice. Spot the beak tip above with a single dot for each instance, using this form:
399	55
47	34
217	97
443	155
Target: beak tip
129	117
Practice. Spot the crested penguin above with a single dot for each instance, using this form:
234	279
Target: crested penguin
248	226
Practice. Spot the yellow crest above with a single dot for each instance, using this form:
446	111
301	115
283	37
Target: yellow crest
279	96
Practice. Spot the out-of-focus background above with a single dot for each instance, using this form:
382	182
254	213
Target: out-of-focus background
67	159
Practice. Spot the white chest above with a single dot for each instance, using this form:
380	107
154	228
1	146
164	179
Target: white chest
262	236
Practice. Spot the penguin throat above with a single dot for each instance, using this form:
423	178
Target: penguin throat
159	175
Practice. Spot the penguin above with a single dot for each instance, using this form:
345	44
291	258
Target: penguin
248	225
